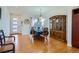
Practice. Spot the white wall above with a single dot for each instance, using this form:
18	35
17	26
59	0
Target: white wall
0	24
69	27
25	27
1	21
4	22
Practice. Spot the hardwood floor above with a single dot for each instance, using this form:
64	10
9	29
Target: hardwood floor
24	45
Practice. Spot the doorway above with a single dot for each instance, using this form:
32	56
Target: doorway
15	24
75	28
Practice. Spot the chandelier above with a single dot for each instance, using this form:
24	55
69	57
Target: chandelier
41	17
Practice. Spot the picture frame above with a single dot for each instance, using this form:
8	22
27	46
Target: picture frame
26	21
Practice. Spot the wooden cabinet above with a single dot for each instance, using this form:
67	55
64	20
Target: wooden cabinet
58	27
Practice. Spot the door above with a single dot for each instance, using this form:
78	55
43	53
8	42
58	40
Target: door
15	24
75	29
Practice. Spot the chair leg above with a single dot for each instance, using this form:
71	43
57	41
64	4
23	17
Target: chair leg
4	41
14	38
1	43
31	39
45	40
48	39
13	48
13	51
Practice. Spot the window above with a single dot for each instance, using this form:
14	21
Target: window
14	25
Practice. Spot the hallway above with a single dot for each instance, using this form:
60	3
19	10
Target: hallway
54	46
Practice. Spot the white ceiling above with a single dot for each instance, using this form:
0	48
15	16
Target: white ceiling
34	10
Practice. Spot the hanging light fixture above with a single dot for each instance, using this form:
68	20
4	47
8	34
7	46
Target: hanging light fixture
41	17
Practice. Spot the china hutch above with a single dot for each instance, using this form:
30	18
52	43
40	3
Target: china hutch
58	27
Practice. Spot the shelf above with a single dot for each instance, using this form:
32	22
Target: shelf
58	29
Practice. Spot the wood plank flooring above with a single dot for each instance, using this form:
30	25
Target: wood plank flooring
24	45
